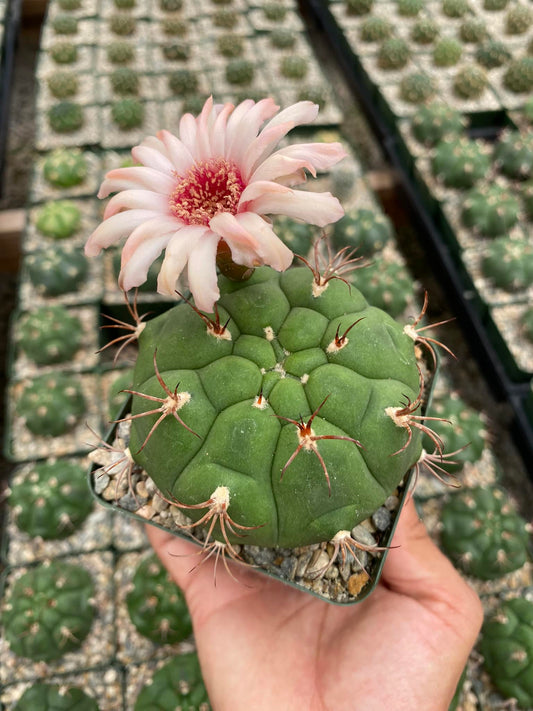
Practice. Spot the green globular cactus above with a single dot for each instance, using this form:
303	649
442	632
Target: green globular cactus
507	648
120	52
368	230
410	8
124	4
51	500
63	84
51	405
65	168
387	285
49	611
274	408
55	270
50	334
447	52
69	4
508	263
460	163
64	25
156	605
124	81
424	31
128	113
240	71
394	53
117	397
435	122
293	67
455	8
58	218
518	20
296	235
359	7
417	88
492	54
55	697
65	117
465	439
282	38
316	94
375	29
170	5
230	45
526	323
183	82
518	76
473	30
494	5
177	685
122	24
176	51
513	154
225	18
527	198
174	26
490	210
64	52
470	82
275	11
483	534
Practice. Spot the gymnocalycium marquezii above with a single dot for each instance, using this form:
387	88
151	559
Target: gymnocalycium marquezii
276	409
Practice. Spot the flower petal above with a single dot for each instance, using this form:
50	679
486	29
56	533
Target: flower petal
282	168
218	132
141	199
315	208
152	158
136	177
247	128
204	121
179	154
188	132
135	271
295	115
202	272
176	256
225	225
260	148
322	156
257	189
148	230
114	228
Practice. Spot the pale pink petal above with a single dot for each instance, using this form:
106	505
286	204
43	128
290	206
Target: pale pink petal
155	143
234	121
255	190
155	227
315	208
188	131
225	225
322	156
282	168
260	148
152	158
115	228
179	154
141	199
247	128
202	273
204	122
218	132
135	271
295	115
176	257
136	177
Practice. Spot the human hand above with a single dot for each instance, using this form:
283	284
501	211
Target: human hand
264	645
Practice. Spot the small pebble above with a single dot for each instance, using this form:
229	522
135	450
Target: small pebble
317	564
357	582
381	518
392	503
361	534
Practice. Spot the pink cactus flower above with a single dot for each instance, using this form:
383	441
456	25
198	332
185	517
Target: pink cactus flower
217	181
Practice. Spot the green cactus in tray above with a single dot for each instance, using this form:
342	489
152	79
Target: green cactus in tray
455	8
417	88
120	52
122	24
55	697
375	29
69	4
240	71
282	38
436	121
294	67
275	11
394	53
230	45
387	285
447	52
49	611
460	163
124	81
410	8
63	84
65	117
51	405
470	82
483	534
507	648
225	18
65	168
490	210
64	52
156	606
513	154
494	5
51	499
518	76
174	26
64	25
50	334
177	685
518	20
492	53
170	5
508	263
127	113
359	7
473	30
183	82
424	31
59	219
177	51
54	270
368	230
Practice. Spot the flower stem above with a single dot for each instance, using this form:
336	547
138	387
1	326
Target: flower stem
235	272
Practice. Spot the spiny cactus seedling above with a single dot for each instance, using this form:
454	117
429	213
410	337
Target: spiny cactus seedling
447	52
69	4
65	117
368	230
298	236
64	52
527	199
436	121
513	154
177	51
50	334
492	54
57	270
473	30
120	52
177	685
193	103
65	168
470	82
225	18
174	26
293	66
526	323
240	71
375	29
493	5
490	210
64	25
156	606
50	501
507	649
127	113
55	697
275	11
170	5
359	7
455	8
461	162
230	45
124	4
527	111
387	285
282	38
417	88
183	82
518	20
424	31
508	263
410	8
63	83
518	76
394	53
483	534
49	611
124	81
59	219
51	405
122	24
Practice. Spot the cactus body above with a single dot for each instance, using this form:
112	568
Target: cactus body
491	210
375	29
387	285
59	219
122	24
527	199
63	84
470	82
424	31
127	113
296	235
57	270
492	54
359	7
282	38
49	611
54	697
240	71
278	358
508	263
473	30
51	405
50	334
410	8
518	77
460	163
125	81
64	25
518	20
417	88
455	8
514	154
293	67
177	685
183	82
368	230
65	117
64	168
436	121
64	52
394	53
120	52
447	52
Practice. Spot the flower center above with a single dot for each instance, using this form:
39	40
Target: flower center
208	188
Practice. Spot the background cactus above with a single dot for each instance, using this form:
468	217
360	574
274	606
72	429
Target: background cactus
473	30
436	121
513	154
375	29
63	84
508	263
490	210
120	52
470	82
69	4
483	534
156	606
275	11
65	117
387	285
410	8
447	52
64	25
296	235
65	168
231	45
368	230
183	82
225	18
359	7
51	500
492	53
122	23
50	334
455	8
178	684
128	113
293	66
518	76
240	71
417	88
424	31
64	52
493	5
394	53
170	5
282	38
124	81
54	697
507	649
58	218
55	270
460	163
518	20
49	611
51	405
180	51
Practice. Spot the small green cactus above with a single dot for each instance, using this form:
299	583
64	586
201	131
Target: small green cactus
240	71
54	697
125	81
170	5
120	52
455	8
177	685
513	154
275	11
508	263
527	111
483	534
49	611
436	121
122	24
59	219
64	52
490	210
518	76
230	45
424	31
65	167
69	4
225	18
55	270
63	84
127	113
470	82
417	88
394	53
65	117
150	285
117	397
368	230
526	323
507	649
124	4
193	103
359	7
518	20
282	38
375	29
473	30
316	94
50	334
460	163
293	66
296	235
493	5
174	26
447	52
386	285
50	501
410	8
176	51
156	605
51	405
492	54
527	198
64	25
183	82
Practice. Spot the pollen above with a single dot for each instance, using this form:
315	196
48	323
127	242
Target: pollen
208	188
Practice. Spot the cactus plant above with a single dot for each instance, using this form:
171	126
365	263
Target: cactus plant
176	51
508	263
174	26
183	82
460	163
507	649
51	405
116	396
120	52
230	45
64	52
424	31
527	199
170	5
51	500
122	24
447	52
58	218
124	81
298	236
483	534
436	121
177	685
518	20
410	8
54	697
69	4
293	66
375	29
63	84
275	11
518	76
394	53
493	5
124	4
127	113
64	25
526	323
225	18
470	82
490	210
417	88
359	7
387	285
316	94
368	230
282	38
473	30
240	71
492	54
49	611
65	117
65	168
455	8
513	154
156	606
50	334
57	270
